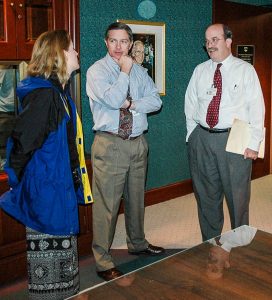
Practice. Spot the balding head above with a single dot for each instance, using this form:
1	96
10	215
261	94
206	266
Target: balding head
218	42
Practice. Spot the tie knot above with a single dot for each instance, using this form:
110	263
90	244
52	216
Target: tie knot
218	66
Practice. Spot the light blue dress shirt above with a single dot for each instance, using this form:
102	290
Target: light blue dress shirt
107	88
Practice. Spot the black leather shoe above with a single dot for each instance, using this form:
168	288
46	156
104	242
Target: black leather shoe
109	274
150	250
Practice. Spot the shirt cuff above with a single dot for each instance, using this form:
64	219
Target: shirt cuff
124	76
254	145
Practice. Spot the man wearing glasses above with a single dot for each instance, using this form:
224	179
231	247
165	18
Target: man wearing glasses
121	95
222	89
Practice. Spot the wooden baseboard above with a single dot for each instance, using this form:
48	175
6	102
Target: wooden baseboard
168	192
160	194
164	193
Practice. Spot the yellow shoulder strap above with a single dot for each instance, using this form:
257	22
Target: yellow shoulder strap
88	197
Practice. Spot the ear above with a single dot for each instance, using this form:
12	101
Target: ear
229	42
130	45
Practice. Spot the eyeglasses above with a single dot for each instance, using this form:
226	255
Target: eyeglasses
213	41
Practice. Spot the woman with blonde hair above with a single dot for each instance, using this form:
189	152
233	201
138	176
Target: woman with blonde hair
46	168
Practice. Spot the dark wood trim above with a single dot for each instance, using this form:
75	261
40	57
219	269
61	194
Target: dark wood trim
75	21
165	193
13	268
85	244
59	15
12	249
168	192
160	194
71	20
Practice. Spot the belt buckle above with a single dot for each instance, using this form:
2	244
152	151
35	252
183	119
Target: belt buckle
123	138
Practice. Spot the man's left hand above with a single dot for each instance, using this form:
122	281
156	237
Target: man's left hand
251	154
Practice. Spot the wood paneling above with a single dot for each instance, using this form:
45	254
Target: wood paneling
22	24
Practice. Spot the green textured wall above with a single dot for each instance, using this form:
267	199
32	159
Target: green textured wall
185	21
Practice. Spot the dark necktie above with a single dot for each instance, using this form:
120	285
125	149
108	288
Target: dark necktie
213	108
125	122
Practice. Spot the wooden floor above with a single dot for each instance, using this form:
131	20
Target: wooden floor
183	276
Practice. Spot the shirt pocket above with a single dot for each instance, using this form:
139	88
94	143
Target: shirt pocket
235	91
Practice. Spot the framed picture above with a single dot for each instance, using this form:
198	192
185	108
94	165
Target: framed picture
149	49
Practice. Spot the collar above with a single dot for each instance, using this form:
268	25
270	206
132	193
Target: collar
226	63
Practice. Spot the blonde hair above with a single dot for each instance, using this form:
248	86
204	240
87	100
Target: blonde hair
48	56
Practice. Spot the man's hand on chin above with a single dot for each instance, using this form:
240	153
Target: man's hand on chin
125	63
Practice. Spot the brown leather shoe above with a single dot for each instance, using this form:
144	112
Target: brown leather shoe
110	274
150	250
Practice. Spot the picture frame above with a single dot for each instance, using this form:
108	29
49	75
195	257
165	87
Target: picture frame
152	35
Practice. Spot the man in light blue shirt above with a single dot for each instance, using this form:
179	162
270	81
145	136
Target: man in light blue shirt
119	164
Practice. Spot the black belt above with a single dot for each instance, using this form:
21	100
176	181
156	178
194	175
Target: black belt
215	130
130	138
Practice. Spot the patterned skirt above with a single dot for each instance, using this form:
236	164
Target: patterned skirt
52	266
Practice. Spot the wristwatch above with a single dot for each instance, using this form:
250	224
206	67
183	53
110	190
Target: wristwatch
130	102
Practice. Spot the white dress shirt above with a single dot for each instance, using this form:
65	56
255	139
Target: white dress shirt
241	98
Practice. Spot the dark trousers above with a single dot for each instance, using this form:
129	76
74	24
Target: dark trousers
215	174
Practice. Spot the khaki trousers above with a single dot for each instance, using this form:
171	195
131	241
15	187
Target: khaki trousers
119	169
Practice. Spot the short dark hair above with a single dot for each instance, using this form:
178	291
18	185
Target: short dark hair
227	32
119	26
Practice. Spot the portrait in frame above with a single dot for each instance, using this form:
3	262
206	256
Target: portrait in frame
149	49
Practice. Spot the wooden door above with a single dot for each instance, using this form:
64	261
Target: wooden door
35	17
251	25
7	30
22	21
